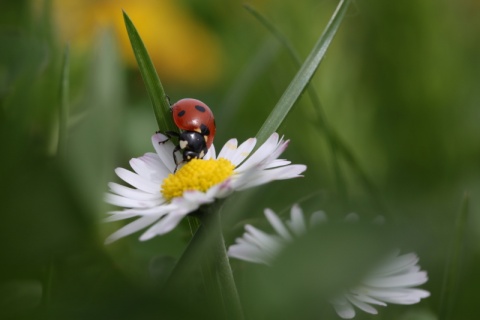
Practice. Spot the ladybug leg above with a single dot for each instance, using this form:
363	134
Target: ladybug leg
169	134
175	158
172	134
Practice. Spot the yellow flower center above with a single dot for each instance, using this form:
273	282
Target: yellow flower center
197	174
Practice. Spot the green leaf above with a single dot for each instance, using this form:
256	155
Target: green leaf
303	76
161	105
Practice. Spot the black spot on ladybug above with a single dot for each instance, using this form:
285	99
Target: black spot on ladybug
200	108
181	113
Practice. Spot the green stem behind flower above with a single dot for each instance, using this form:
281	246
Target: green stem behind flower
223	270
206	255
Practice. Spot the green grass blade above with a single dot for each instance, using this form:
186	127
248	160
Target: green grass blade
64	102
321	118
452	270
161	106
338	147
303	76
270	27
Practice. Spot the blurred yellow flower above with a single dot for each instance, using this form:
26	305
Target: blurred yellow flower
183	49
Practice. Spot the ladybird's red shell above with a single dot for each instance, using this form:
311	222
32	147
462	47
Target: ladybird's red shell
190	114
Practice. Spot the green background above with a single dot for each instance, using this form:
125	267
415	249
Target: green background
399	85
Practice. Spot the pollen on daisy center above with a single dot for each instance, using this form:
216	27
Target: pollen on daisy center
197	174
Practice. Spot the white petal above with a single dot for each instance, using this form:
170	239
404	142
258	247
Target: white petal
247	253
242	152
199	197
405	280
136	181
288	172
343	308
277	224
361	305
165	225
132	227
141	167
352	217
185	205
211	153
133	193
276	153
317	218
118	217
130	203
396	264
365	297
228	149
262	177
159	210
261	154
297	220
277	163
154	171
152	159
399	295
224	189
261	239
164	150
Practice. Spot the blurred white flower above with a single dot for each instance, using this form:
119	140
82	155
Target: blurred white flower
393	280
160	198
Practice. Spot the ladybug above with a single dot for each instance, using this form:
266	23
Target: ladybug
197	124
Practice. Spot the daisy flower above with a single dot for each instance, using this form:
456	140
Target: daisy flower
159	198
392	281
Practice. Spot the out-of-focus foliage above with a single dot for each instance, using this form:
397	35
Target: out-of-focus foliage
399	85
177	39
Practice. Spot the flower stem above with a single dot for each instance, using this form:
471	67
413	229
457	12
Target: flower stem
207	251
223	271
